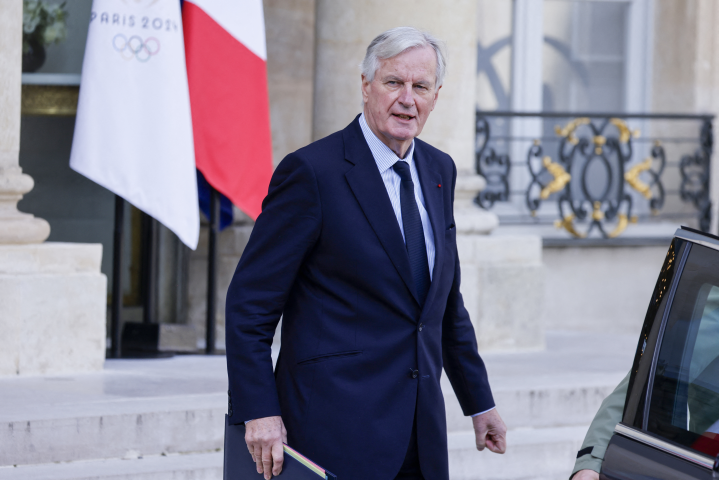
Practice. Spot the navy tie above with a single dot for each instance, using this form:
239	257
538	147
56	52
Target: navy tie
413	232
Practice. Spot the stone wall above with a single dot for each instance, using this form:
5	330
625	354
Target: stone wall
503	290
600	289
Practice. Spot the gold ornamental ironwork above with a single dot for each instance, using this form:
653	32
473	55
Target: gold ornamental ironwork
632	178
559	181
567	223
568	130
621	226
594	173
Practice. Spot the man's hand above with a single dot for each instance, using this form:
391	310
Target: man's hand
490	432
586	475
264	437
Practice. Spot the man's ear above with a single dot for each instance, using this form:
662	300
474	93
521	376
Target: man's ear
366	87
436	95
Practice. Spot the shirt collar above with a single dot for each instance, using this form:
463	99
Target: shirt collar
384	157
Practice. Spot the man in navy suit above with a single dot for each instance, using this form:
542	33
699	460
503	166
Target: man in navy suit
356	250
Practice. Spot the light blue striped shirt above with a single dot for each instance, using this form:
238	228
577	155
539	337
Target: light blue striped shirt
385	158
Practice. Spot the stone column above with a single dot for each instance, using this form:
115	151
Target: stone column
15	227
52	295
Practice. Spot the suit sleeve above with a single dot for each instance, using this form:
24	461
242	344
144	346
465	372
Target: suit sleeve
600	432
465	368
284	234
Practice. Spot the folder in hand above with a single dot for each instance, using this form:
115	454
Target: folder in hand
239	464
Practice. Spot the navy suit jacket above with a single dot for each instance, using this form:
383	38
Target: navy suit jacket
327	255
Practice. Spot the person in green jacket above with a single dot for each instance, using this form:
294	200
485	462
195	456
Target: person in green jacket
590	456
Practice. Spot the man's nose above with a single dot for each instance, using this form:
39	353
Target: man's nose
406	99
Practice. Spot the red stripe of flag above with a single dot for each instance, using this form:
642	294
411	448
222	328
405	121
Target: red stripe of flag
230	111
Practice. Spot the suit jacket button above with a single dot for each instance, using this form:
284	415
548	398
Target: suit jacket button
415	373
421	326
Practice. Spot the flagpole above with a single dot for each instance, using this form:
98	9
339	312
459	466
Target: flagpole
149	268
211	270
116	312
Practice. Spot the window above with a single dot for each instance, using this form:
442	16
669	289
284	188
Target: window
684	405
565	55
585	52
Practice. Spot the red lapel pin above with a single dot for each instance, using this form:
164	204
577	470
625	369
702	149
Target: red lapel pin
439	185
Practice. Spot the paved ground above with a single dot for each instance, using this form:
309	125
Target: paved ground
127	386
570	356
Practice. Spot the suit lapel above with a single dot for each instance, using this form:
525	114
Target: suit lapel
366	183
430	180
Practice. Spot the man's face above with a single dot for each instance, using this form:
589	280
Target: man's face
397	102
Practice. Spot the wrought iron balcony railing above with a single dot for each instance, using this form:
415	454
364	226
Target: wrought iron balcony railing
594	173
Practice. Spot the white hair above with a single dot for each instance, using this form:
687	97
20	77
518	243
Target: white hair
396	41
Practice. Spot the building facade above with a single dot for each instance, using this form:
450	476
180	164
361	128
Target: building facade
541	56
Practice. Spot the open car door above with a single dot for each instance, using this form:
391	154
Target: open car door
670	426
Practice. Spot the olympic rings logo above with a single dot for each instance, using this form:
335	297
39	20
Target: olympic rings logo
136	47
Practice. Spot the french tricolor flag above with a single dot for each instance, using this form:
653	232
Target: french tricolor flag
226	58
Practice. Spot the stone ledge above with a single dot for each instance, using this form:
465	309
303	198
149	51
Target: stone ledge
606	242
504	249
50	258
636	235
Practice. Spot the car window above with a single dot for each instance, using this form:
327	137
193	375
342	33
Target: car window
684	405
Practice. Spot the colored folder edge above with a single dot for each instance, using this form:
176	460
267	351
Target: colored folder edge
308	463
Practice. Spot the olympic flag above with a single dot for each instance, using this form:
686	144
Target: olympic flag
133	132
227	73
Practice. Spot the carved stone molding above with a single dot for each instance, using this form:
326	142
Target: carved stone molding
49	99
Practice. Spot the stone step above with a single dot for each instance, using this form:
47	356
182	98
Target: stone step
154	426
118	429
533	454
197	466
133	407
562	400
